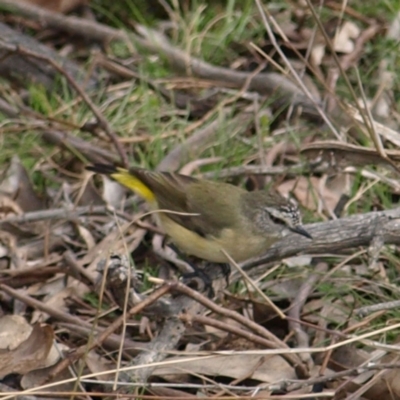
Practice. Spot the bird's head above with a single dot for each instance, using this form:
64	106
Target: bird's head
275	214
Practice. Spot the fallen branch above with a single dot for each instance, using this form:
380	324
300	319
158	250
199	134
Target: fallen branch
272	84
335	236
173	311
56	213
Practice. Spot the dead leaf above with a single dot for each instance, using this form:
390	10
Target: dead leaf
386	387
97	364
56	293
298	261
262	368
88	194
14	329
338	155
36	377
285	287
30	354
17	185
343	42
336	311
317	54
87	236
312	193
113	192
385	131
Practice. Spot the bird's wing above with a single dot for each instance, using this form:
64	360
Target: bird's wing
211	213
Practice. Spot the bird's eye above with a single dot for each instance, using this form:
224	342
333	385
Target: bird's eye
277	220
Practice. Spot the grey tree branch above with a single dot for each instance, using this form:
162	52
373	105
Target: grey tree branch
285	91
335	236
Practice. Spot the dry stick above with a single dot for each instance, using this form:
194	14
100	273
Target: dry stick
296	306
373	381
336	236
158	349
365	114
162	394
389	305
73	263
113	342
62	316
177	155
264	83
254	285
290	387
57	213
103	122
293	359
74	25
75	144
202	137
99	339
266	18
351	12
169	335
228	328
56	136
329	237
55	313
296	169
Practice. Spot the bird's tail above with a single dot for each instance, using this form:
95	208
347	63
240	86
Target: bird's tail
124	177
105	169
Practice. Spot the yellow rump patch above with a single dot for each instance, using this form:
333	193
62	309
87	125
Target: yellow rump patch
125	178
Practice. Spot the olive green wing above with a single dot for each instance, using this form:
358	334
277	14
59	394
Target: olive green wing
219	205
210	203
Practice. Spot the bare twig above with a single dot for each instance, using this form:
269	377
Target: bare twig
275	84
56	213
296	307
102	336
389	305
296	169
278	344
337	235
103	121
228	328
290	387
266	17
194	144
74	25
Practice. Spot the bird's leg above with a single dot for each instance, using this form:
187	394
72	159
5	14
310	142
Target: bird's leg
226	271
190	277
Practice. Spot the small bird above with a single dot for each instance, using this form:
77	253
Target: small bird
203	217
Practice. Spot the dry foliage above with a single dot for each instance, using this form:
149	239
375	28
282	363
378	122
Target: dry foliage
90	289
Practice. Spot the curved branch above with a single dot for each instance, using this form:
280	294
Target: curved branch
333	236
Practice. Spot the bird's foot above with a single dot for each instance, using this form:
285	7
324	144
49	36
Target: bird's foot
197	279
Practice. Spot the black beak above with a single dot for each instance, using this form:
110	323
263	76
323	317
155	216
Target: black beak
301	231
